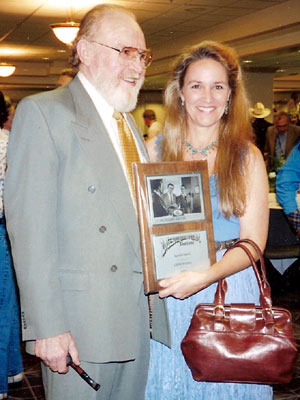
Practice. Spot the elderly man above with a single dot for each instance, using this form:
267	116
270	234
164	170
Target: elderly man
72	220
280	139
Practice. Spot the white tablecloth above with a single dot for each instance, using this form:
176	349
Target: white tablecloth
283	264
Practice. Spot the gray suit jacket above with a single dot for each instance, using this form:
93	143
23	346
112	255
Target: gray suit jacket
73	229
293	135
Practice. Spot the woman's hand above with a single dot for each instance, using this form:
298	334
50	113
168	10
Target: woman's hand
253	225
184	284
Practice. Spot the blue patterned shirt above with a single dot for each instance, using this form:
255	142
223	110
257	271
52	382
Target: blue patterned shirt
287	186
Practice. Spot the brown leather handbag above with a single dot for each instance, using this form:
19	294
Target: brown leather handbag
241	342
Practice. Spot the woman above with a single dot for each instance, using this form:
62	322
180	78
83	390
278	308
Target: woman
10	354
207	118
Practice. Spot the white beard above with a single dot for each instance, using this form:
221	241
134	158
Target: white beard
120	99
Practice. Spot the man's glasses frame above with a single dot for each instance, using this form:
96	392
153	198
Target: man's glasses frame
130	53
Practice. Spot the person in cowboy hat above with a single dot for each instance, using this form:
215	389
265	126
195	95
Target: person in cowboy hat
258	113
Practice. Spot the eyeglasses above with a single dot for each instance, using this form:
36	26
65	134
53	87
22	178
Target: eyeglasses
131	53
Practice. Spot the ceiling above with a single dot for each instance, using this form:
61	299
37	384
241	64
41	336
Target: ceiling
266	34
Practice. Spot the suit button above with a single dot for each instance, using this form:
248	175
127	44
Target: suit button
92	189
102	229
113	268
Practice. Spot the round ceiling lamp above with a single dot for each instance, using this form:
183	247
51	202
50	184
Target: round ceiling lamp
6	70
65	31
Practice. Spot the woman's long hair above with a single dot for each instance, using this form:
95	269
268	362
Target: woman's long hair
235	130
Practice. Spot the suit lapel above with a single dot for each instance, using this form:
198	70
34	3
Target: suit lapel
96	144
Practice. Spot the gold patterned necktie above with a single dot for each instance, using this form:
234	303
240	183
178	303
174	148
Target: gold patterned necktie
130	155
128	146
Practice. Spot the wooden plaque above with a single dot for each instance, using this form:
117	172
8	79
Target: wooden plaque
175	219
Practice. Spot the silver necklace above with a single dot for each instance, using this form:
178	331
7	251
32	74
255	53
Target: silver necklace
201	151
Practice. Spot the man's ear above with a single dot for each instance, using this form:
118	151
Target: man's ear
84	51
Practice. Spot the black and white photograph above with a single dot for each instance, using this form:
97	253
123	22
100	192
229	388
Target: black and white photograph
175	198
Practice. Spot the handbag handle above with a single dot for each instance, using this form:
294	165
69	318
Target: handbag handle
260	273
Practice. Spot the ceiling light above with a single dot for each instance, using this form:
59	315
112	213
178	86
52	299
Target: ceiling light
65	31
247	61
6	70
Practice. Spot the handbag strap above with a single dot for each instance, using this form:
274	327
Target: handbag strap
260	273
260	255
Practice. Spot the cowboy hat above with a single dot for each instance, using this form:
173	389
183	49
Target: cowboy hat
259	111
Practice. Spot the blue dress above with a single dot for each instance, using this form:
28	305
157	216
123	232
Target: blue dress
169	376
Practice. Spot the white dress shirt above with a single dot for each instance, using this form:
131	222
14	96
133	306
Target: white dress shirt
106	114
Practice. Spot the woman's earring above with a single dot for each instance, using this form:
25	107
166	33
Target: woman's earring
182	102
226	107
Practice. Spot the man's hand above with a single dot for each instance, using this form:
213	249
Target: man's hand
54	350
